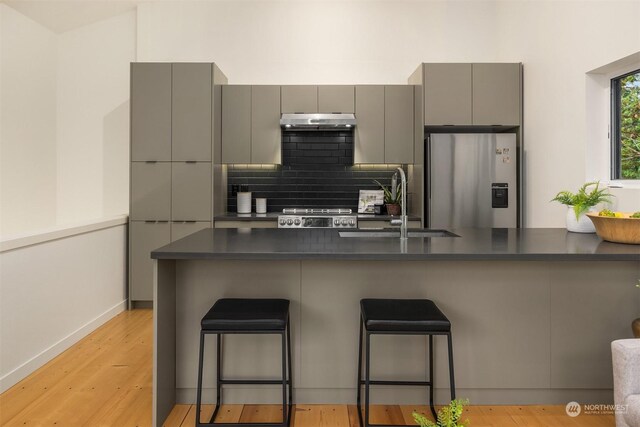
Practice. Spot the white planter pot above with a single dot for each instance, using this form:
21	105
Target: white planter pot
582	225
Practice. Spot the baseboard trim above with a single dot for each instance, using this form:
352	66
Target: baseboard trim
21	372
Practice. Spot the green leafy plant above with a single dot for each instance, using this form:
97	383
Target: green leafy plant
583	200
388	194
448	416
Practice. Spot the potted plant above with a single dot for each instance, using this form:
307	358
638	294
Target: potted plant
392	198
448	416
580	203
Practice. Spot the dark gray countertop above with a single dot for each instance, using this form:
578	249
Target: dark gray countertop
273	216
537	244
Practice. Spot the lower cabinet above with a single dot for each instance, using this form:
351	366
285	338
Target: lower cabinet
385	224
246	224
145	236
180	229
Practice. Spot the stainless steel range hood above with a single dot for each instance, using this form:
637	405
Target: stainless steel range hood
322	121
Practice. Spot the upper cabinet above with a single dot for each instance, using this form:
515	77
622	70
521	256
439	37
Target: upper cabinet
336	99
299	99
398	124
472	94
448	94
251	124
266	135
150	112
236	124
369	130
191	112
384	131
496	94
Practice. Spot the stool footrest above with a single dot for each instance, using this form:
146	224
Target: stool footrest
409	383
279	382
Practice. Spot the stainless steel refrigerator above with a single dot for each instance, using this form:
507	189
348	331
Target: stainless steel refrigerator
472	180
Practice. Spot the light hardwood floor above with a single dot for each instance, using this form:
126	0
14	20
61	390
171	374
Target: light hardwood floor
105	380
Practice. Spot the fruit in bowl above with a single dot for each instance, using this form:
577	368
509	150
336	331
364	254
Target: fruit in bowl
618	227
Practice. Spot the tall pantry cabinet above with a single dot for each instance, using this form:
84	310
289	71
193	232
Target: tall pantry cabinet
175	160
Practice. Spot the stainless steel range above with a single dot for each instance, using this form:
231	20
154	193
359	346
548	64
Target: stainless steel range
317	218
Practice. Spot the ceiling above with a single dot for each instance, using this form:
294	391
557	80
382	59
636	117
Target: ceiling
61	16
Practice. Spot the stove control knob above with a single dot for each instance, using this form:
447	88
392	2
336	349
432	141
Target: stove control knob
282	221
344	221
336	221
352	222
289	221
297	221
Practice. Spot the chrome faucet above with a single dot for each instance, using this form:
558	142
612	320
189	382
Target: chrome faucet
403	212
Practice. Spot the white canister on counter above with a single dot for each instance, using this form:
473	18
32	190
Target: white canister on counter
244	202
261	205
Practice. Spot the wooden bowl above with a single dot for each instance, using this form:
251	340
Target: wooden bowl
617	230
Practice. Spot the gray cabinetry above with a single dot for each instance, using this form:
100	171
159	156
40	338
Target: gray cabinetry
496	94
299	99
180	229
369	131
447	94
145	236
175	125
398	124
150	111
150	191
266	139
191	191
191	112
336	99
236	124
472	94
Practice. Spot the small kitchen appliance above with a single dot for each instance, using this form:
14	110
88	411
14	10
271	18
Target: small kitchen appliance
317	218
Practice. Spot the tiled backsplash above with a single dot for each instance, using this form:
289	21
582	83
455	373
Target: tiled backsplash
317	171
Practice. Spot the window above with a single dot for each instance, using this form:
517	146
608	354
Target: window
625	108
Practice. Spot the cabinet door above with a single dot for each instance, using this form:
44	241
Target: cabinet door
236	124
447	94
144	237
150	191
266	139
336	99
191	191
299	99
150	112
496	94
180	229
369	130
398	124
191	112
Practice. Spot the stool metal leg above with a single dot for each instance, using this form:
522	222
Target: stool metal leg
284	378
367	379
199	389
452	382
289	363
359	394
433	410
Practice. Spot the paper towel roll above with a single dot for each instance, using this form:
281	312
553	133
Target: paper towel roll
244	202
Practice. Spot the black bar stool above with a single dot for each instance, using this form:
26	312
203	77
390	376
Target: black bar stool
400	317
247	316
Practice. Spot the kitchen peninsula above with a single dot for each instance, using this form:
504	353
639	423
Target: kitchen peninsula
533	311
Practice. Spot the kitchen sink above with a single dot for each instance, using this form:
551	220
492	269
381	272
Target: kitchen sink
396	233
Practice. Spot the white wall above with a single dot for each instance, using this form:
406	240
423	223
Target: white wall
382	42
93	118
56	292
27	123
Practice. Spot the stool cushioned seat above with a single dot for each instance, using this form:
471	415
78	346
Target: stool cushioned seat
246	314
403	315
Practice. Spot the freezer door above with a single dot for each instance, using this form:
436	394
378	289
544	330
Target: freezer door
472	180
